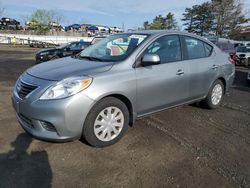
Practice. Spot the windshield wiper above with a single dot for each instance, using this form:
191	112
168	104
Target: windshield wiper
91	58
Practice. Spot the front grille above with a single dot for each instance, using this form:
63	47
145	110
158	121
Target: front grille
23	89
242	55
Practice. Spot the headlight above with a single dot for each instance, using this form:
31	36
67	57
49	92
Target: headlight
66	88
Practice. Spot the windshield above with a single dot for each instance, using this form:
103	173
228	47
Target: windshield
63	45
113	48
243	49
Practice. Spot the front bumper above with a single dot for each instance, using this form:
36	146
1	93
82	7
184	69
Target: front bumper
248	76
243	60
66	116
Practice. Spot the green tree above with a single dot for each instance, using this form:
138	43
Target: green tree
189	19
170	22
41	19
160	22
199	19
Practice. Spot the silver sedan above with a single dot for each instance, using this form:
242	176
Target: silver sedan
98	93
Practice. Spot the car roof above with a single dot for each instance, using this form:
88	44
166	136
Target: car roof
98	36
157	32
74	42
160	32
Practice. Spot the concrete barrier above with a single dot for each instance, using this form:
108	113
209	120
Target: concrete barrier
26	39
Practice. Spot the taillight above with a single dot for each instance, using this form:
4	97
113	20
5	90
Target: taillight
231	60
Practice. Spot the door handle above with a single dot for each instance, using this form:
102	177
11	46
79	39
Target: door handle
180	72
215	66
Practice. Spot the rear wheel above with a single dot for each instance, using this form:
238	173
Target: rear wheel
215	95
106	122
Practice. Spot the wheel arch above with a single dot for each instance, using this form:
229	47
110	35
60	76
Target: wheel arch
128	104
223	80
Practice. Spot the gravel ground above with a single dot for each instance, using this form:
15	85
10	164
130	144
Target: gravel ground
186	146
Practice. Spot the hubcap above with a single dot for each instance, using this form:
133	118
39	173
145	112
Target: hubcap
108	124
217	94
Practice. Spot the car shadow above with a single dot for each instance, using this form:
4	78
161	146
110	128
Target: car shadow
23	169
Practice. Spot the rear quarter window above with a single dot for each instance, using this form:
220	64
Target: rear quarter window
208	49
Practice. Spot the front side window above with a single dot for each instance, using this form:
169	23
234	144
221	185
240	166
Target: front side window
196	48
114	48
168	48
74	46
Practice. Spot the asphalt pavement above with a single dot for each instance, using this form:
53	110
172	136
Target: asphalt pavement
187	146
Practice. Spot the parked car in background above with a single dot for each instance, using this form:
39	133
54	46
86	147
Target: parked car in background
64	50
9	24
243	56
227	47
248	76
97	94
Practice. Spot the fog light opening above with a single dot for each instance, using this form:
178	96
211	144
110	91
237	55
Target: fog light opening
48	126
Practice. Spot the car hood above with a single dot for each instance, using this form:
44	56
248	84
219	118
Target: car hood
47	50
67	67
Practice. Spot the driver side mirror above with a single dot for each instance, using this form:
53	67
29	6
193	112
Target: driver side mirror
68	49
150	59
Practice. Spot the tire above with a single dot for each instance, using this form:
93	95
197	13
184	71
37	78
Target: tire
211	101
98	129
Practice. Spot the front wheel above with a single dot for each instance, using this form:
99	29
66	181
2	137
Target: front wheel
215	95
106	122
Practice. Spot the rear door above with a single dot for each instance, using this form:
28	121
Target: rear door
202	67
166	84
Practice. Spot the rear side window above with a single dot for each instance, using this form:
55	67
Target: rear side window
196	48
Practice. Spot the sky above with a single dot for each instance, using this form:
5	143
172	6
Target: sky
130	13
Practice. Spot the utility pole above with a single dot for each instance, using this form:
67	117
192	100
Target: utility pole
123	27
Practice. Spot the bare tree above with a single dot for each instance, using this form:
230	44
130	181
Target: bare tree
43	20
229	15
25	19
